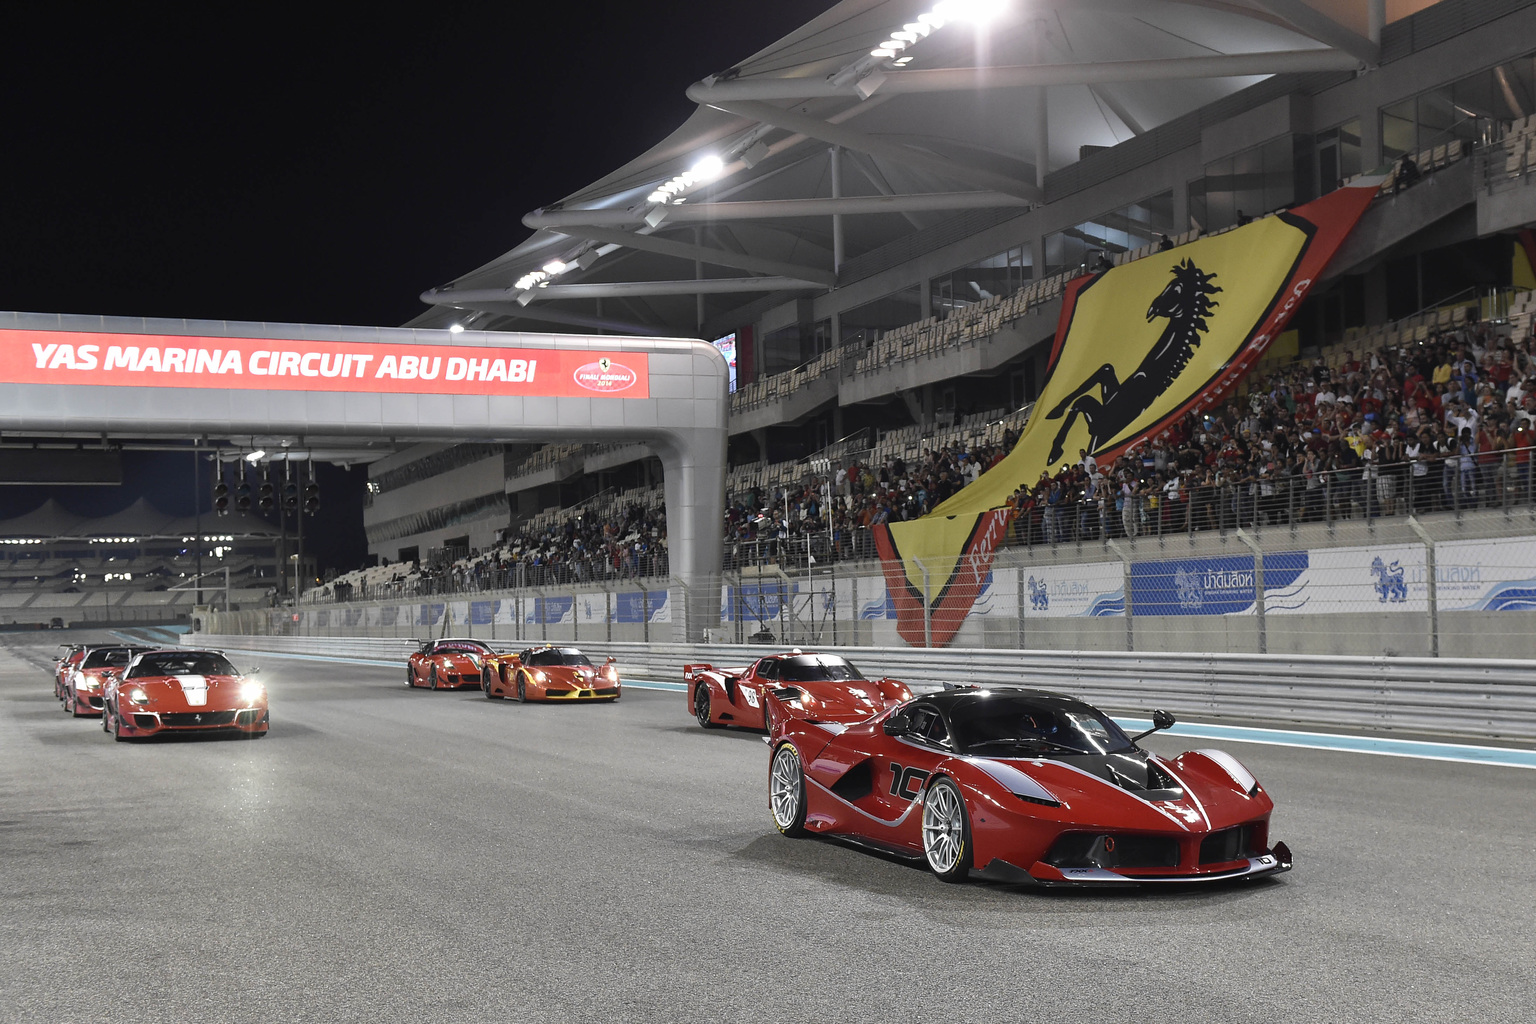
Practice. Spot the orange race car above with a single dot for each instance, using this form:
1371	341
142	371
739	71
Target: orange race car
453	663
183	691
84	687
552	673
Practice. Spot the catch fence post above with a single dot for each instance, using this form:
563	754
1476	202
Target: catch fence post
927	608
1130	619
1258	585
1432	595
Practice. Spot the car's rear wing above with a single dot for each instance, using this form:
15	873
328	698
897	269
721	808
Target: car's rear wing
689	671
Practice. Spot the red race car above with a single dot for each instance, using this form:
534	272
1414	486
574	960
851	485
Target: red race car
449	664
824	681
552	673
84	687
1021	785
64	664
183	691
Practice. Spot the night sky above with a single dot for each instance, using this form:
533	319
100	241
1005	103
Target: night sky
286	164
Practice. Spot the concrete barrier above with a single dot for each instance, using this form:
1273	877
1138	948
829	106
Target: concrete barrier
1460	698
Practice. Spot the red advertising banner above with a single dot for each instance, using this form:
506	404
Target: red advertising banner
174	361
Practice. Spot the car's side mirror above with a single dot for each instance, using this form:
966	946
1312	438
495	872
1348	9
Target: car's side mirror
1160	720
895	726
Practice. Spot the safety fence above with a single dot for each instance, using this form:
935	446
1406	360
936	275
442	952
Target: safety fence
1444	697
1445	585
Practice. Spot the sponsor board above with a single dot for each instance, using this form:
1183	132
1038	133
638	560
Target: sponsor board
1073	590
1486	575
1220	585
265	364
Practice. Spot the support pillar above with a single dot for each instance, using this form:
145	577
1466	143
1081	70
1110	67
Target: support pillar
837	218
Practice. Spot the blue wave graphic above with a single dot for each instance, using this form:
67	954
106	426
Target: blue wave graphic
1107	604
1515	596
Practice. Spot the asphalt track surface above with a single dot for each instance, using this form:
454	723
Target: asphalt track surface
395	855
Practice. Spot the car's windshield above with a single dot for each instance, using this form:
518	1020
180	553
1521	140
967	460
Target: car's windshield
812	668
462	647
555	656
176	663
1004	725
107	657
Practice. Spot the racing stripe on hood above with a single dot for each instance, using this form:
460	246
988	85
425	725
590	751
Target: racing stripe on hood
1233	767
195	689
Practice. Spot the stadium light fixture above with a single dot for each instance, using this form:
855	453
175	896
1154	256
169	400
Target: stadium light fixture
881	51
554	267
977	11
709	167
455	328
257	455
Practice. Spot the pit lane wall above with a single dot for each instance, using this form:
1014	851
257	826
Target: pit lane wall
1356	588
1472	698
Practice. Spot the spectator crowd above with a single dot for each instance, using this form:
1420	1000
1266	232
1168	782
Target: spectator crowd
1446	423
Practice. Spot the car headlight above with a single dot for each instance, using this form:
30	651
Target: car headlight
610	672
137	696
538	677
251	691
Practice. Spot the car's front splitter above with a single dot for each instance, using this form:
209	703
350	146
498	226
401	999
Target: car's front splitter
1276	861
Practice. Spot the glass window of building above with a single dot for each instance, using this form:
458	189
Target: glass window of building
1122	230
1338	155
1471	111
1002	274
1254	182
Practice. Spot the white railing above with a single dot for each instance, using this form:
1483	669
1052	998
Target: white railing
1481	698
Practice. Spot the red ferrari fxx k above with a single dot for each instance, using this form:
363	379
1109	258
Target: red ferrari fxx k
84	687
1021	785
183	691
823	681
553	673
454	663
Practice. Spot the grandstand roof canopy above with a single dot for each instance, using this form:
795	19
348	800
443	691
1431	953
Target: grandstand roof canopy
935	107
51	521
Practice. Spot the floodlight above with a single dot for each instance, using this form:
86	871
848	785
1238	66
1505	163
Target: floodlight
978	11
920	27
709	167
554	267
455	328
910	37
893	44
257	455
882	52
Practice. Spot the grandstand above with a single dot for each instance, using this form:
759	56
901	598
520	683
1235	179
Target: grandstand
136	566
902	295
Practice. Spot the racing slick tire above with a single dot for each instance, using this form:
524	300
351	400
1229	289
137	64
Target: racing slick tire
703	705
786	791
485	684
432	677
946	831
410	676
522	690
117	732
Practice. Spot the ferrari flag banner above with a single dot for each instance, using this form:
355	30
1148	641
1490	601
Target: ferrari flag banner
1137	347
169	361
